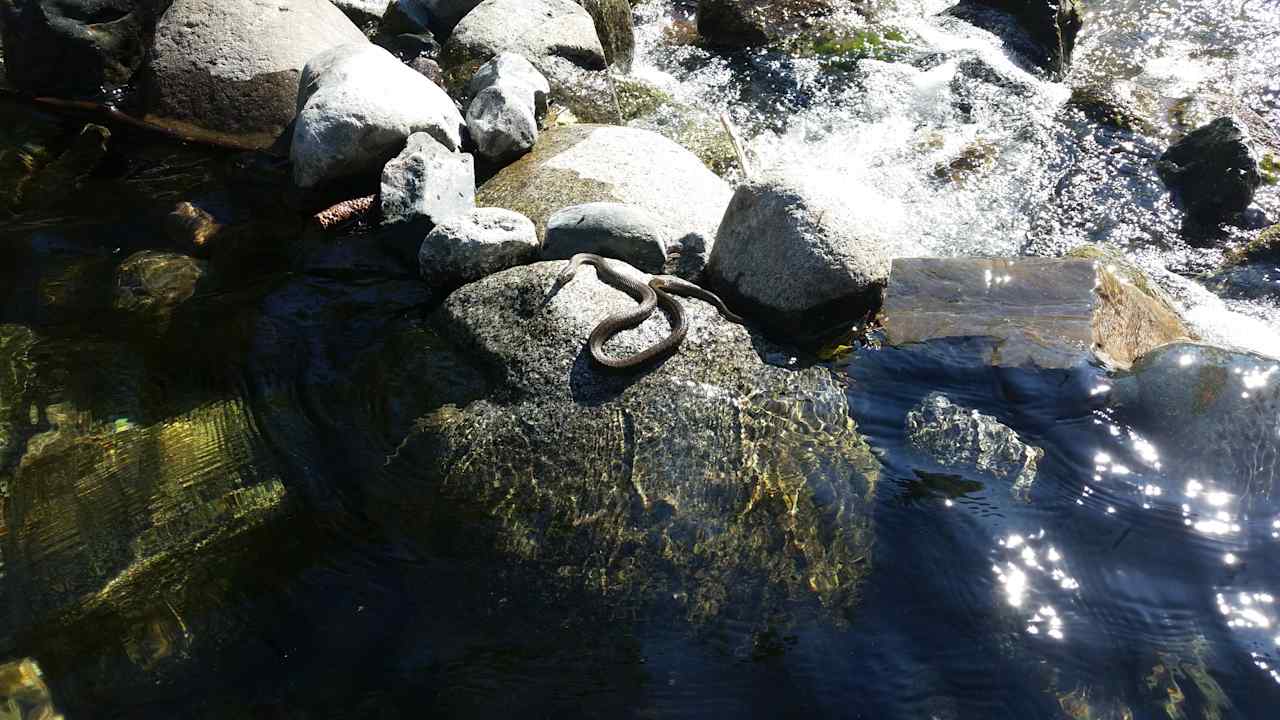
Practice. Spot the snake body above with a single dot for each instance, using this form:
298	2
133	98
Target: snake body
657	292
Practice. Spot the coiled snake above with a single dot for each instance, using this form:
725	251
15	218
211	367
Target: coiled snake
657	292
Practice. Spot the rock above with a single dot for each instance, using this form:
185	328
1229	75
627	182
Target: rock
962	438
364	13
438	16
50	185
427	183
1263	248
1042	312
357	107
579	164
796	257
154	282
513	73
1042	31
473	245
755	23
23	692
1117	104
715	486
1213	171
613	230
232	66
647	107
616	29
509	97
557	36
1212	413
75	48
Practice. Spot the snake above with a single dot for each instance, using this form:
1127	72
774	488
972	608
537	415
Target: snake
657	292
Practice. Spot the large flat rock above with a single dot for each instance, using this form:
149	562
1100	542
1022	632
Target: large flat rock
1043	312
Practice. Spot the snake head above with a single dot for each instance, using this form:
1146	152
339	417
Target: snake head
561	280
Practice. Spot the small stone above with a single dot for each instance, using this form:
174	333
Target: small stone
511	71
960	437
151	281
477	244
1213	170
614	230
502	124
427	182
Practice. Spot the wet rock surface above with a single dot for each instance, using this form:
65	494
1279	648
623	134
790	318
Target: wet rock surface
502	123
792	254
427	183
557	36
592	163
1043	312
472	245
1213	170
615	28
961	438
613	230
357	106
1044	32
151	282
754	23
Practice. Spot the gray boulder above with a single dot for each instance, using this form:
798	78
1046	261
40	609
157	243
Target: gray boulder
1042	31
1212	413
232	66
714	479
598	163
796	256
476	244
962	438
557	36
427	183
513	73
1213	171
1041	312
615	230
502	123
357	107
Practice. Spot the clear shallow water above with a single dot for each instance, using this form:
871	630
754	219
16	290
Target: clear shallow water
1125	584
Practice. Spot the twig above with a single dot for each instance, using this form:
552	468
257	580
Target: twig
738	148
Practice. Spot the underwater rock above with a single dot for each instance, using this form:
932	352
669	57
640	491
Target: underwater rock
557	36
508	97
51	184
357	106
1213	413
1043	31
962	438
614	230
1118	104
427	183
23	692
796	257
712	484
155	282
1042	312
232	66
1263	248
475	244
1213	170
616	29
579	164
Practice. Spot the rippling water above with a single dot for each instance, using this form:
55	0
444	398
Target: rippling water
272	418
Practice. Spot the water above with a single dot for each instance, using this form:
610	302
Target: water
277	415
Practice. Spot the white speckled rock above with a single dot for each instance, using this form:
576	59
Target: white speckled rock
358	106
474	245
232	66
427	182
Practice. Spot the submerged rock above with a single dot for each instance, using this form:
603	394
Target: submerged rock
515	75
1212	413
476	244
427	183
592	163
557	36
796	257
51	184
1213	170
1044	31
1042	312
614	230
357	106
713	485
962	438
153	282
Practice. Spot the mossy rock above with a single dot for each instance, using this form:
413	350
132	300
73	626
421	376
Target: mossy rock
841	49
1264	248
1108	105
649	107
1270	169
973	160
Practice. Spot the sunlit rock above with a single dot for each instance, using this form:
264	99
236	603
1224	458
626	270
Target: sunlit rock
474	244
557	36
1042	312
1212	413
615	28
713	484
1043	31
591	163
613	230
427	183
647	107
961	438
1213	171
